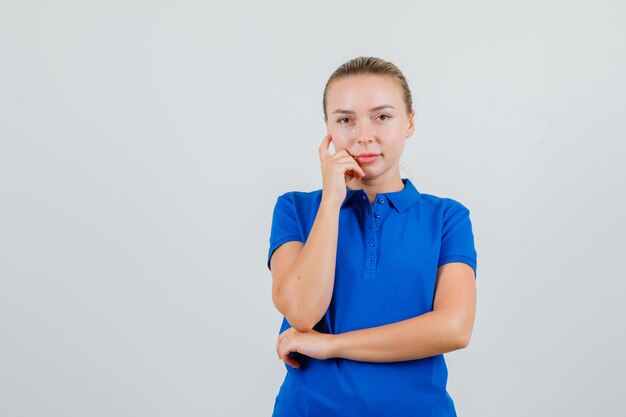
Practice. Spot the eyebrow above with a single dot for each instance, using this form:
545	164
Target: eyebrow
384	106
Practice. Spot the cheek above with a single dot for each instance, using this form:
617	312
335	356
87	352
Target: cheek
396	145
340	139
399	147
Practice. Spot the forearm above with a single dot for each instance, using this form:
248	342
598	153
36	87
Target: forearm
429	334
306	288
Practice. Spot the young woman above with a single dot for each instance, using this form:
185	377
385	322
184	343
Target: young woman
375	280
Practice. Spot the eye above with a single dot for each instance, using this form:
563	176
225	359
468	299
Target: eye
342	118
386	116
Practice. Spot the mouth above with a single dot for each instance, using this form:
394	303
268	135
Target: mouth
367	158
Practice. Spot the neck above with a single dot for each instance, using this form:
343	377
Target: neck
382	184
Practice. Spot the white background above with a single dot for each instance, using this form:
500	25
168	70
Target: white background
143	145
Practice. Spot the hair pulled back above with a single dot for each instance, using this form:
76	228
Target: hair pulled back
370	66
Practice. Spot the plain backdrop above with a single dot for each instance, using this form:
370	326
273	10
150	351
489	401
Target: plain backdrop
144	144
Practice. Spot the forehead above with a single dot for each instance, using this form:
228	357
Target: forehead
364	91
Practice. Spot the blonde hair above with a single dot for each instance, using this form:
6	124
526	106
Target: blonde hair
373	66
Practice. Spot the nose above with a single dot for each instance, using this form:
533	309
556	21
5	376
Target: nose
364	134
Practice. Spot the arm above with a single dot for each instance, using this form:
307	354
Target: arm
448	327
304	277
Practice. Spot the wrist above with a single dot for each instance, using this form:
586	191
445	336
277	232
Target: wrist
330	204
334	346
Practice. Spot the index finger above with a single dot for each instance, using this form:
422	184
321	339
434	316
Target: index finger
325	146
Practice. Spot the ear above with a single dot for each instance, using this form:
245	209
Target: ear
411	127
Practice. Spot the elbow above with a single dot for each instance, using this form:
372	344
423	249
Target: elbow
462	340
299	316
461	333
300	320
301	327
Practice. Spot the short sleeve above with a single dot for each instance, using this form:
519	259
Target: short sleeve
457	239
285	226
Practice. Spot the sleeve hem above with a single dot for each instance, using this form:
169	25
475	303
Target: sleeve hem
278	243
459	258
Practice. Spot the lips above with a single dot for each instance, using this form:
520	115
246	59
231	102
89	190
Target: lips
367	158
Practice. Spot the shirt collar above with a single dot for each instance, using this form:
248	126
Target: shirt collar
401	200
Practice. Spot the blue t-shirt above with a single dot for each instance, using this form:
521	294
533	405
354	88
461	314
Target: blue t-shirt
386	267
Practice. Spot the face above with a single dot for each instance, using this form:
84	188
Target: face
367	115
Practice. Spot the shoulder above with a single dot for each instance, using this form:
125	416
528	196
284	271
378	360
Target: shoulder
301	198
301	202
441	204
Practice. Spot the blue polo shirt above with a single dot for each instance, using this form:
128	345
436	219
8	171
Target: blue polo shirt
386	267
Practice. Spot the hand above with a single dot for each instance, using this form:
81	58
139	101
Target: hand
312	343
337	171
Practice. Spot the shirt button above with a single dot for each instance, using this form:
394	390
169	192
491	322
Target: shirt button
376	215
371	258
363	197
381	200
371	243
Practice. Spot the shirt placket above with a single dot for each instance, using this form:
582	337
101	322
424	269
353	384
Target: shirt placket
375	215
